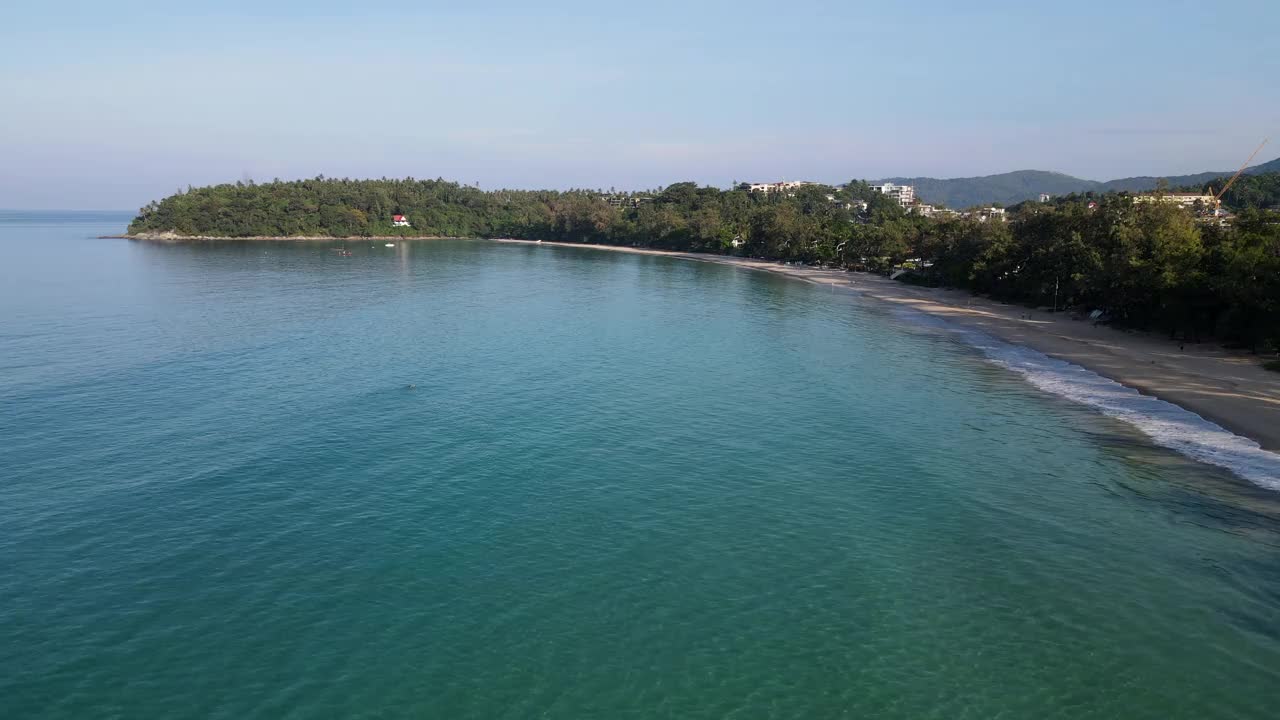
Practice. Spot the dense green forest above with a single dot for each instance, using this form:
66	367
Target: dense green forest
1148	265
1145	265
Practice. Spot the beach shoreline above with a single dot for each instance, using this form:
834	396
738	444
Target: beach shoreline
175	238
1230	389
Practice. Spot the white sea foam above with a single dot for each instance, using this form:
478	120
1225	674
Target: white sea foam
1165	423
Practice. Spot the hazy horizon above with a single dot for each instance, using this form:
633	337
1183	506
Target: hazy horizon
110	108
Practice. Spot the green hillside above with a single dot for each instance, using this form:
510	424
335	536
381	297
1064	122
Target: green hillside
1145	183
1014	187
1006	188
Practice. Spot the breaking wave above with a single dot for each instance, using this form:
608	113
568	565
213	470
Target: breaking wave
1166	424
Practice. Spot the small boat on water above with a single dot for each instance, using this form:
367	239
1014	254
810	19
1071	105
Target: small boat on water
391	244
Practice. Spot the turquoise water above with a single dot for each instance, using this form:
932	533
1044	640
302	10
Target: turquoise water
623	486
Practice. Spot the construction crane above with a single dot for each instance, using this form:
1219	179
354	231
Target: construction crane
1217	198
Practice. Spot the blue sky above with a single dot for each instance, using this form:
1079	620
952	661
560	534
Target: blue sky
112	104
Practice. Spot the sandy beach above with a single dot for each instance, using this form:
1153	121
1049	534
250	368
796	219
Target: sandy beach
1230	389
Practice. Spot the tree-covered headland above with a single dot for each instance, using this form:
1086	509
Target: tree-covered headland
1145	265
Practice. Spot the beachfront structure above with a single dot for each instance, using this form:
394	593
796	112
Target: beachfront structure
400	221
1186	200
904	194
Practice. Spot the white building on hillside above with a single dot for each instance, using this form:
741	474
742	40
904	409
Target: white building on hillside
904	194
784	187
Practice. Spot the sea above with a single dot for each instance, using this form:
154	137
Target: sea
468	479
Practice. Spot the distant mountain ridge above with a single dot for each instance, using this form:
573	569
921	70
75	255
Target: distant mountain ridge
1014	187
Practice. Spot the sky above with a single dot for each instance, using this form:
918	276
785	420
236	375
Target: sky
109	105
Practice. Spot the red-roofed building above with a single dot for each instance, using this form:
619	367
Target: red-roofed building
400	221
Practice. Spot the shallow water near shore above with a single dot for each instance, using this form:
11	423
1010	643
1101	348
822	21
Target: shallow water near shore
1166	424
619	486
